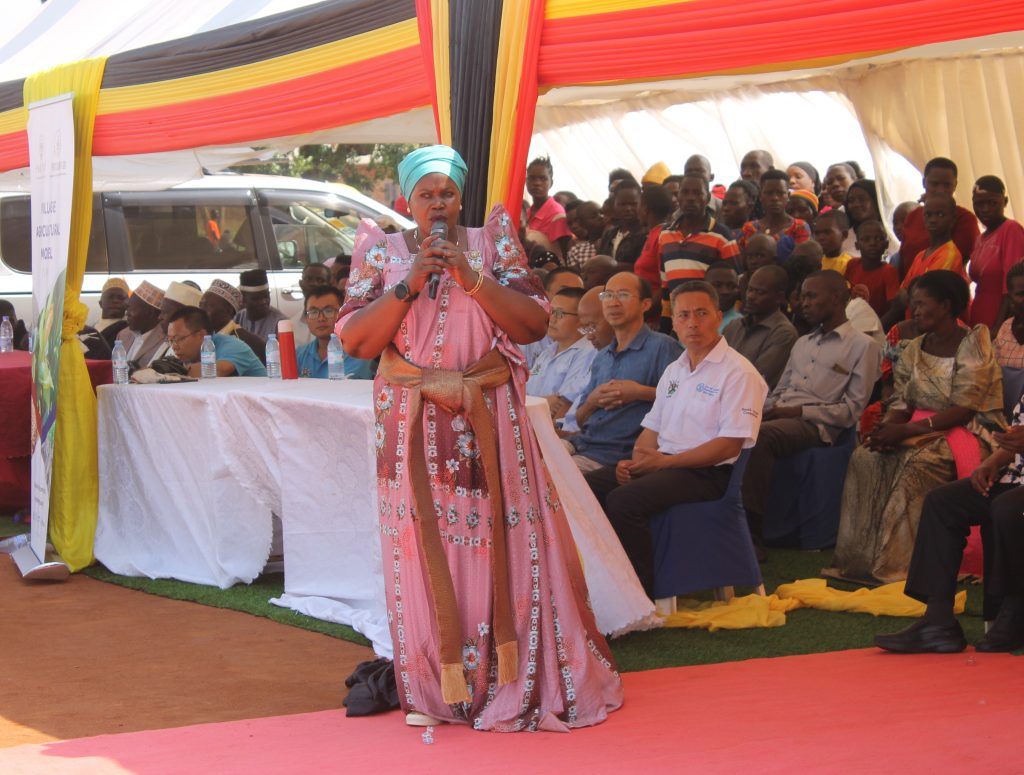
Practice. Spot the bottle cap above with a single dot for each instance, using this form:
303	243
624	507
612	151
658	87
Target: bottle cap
284	326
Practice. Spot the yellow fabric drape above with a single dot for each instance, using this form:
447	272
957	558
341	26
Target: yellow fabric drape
286	67
770	611
442	68
74	484
515	17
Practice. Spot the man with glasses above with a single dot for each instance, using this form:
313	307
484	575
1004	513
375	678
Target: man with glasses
322	306
623	376
595	329
561	373
185	334
558	278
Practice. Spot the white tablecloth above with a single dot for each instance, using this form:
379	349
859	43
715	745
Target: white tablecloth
190	474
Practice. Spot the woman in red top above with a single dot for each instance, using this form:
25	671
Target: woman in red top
998	248
545	214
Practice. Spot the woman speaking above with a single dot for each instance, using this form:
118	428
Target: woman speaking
486	599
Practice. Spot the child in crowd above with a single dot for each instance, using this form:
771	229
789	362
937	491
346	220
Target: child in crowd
830	231
881	280
760	250
803	205
724	280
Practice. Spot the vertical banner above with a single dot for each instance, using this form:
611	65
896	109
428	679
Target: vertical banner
51	141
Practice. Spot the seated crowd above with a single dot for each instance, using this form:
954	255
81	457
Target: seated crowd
778	314
163	329
782	314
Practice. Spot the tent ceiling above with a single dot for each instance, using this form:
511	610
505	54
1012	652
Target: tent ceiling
80	29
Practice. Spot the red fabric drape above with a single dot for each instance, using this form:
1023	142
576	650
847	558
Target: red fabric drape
425	23
706	36
373	88
526	109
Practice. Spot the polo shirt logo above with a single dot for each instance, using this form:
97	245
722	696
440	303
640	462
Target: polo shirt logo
673	386
708	390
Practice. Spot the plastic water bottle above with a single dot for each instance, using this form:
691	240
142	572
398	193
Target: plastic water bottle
273	357
119	358
6	336
335	359
208	358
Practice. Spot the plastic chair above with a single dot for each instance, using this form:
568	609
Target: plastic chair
1013	388
705	545
806	495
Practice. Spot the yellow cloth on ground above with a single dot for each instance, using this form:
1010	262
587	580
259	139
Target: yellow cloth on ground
74	486
770	611
740	613
886	600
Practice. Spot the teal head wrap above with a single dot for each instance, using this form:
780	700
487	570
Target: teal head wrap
433	158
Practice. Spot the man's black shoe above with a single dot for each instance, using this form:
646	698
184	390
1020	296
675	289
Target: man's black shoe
1006	632
924	638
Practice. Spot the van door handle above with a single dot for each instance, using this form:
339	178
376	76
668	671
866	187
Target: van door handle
295	292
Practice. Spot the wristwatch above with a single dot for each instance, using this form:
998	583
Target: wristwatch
402	291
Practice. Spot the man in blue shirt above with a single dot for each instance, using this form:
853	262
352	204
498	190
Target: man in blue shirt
185	334
623	378
322	306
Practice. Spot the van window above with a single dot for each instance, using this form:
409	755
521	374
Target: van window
188	237
302	233
16	235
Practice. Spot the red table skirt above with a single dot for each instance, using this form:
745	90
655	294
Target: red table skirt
16	422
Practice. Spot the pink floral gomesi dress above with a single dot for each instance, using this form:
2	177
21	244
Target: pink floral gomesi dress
566	675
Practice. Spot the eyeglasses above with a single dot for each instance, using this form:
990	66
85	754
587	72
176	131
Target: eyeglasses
620	295
173	341
558	314
326	312
587	330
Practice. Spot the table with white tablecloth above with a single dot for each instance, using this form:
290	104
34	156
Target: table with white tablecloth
191	474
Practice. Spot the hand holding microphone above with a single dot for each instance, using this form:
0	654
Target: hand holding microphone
438	229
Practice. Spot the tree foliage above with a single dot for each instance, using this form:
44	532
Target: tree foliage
345	163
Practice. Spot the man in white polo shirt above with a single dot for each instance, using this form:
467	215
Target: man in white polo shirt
707	409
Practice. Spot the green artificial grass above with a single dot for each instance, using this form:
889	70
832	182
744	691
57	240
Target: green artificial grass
8	527
251	598
806	631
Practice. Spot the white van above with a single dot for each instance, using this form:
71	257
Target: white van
276	223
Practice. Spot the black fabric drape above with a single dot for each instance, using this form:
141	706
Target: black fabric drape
241	44
474	29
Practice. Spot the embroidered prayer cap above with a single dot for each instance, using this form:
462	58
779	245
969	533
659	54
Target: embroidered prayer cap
150	294
432	158
656	174
185	295
253	280
804	194
116	282
228	292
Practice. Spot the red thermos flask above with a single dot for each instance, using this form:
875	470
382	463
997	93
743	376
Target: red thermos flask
286	337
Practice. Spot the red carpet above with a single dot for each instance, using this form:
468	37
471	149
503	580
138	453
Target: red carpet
842	712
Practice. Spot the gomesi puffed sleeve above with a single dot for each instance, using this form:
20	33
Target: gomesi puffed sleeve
366	277
510	266
977	378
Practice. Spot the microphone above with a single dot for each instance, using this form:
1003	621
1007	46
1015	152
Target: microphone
438	229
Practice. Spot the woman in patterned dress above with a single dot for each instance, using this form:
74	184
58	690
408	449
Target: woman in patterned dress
486	599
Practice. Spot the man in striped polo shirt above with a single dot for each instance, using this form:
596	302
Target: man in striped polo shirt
693	242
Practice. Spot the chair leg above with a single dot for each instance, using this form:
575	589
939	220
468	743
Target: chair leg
665	606
724	594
